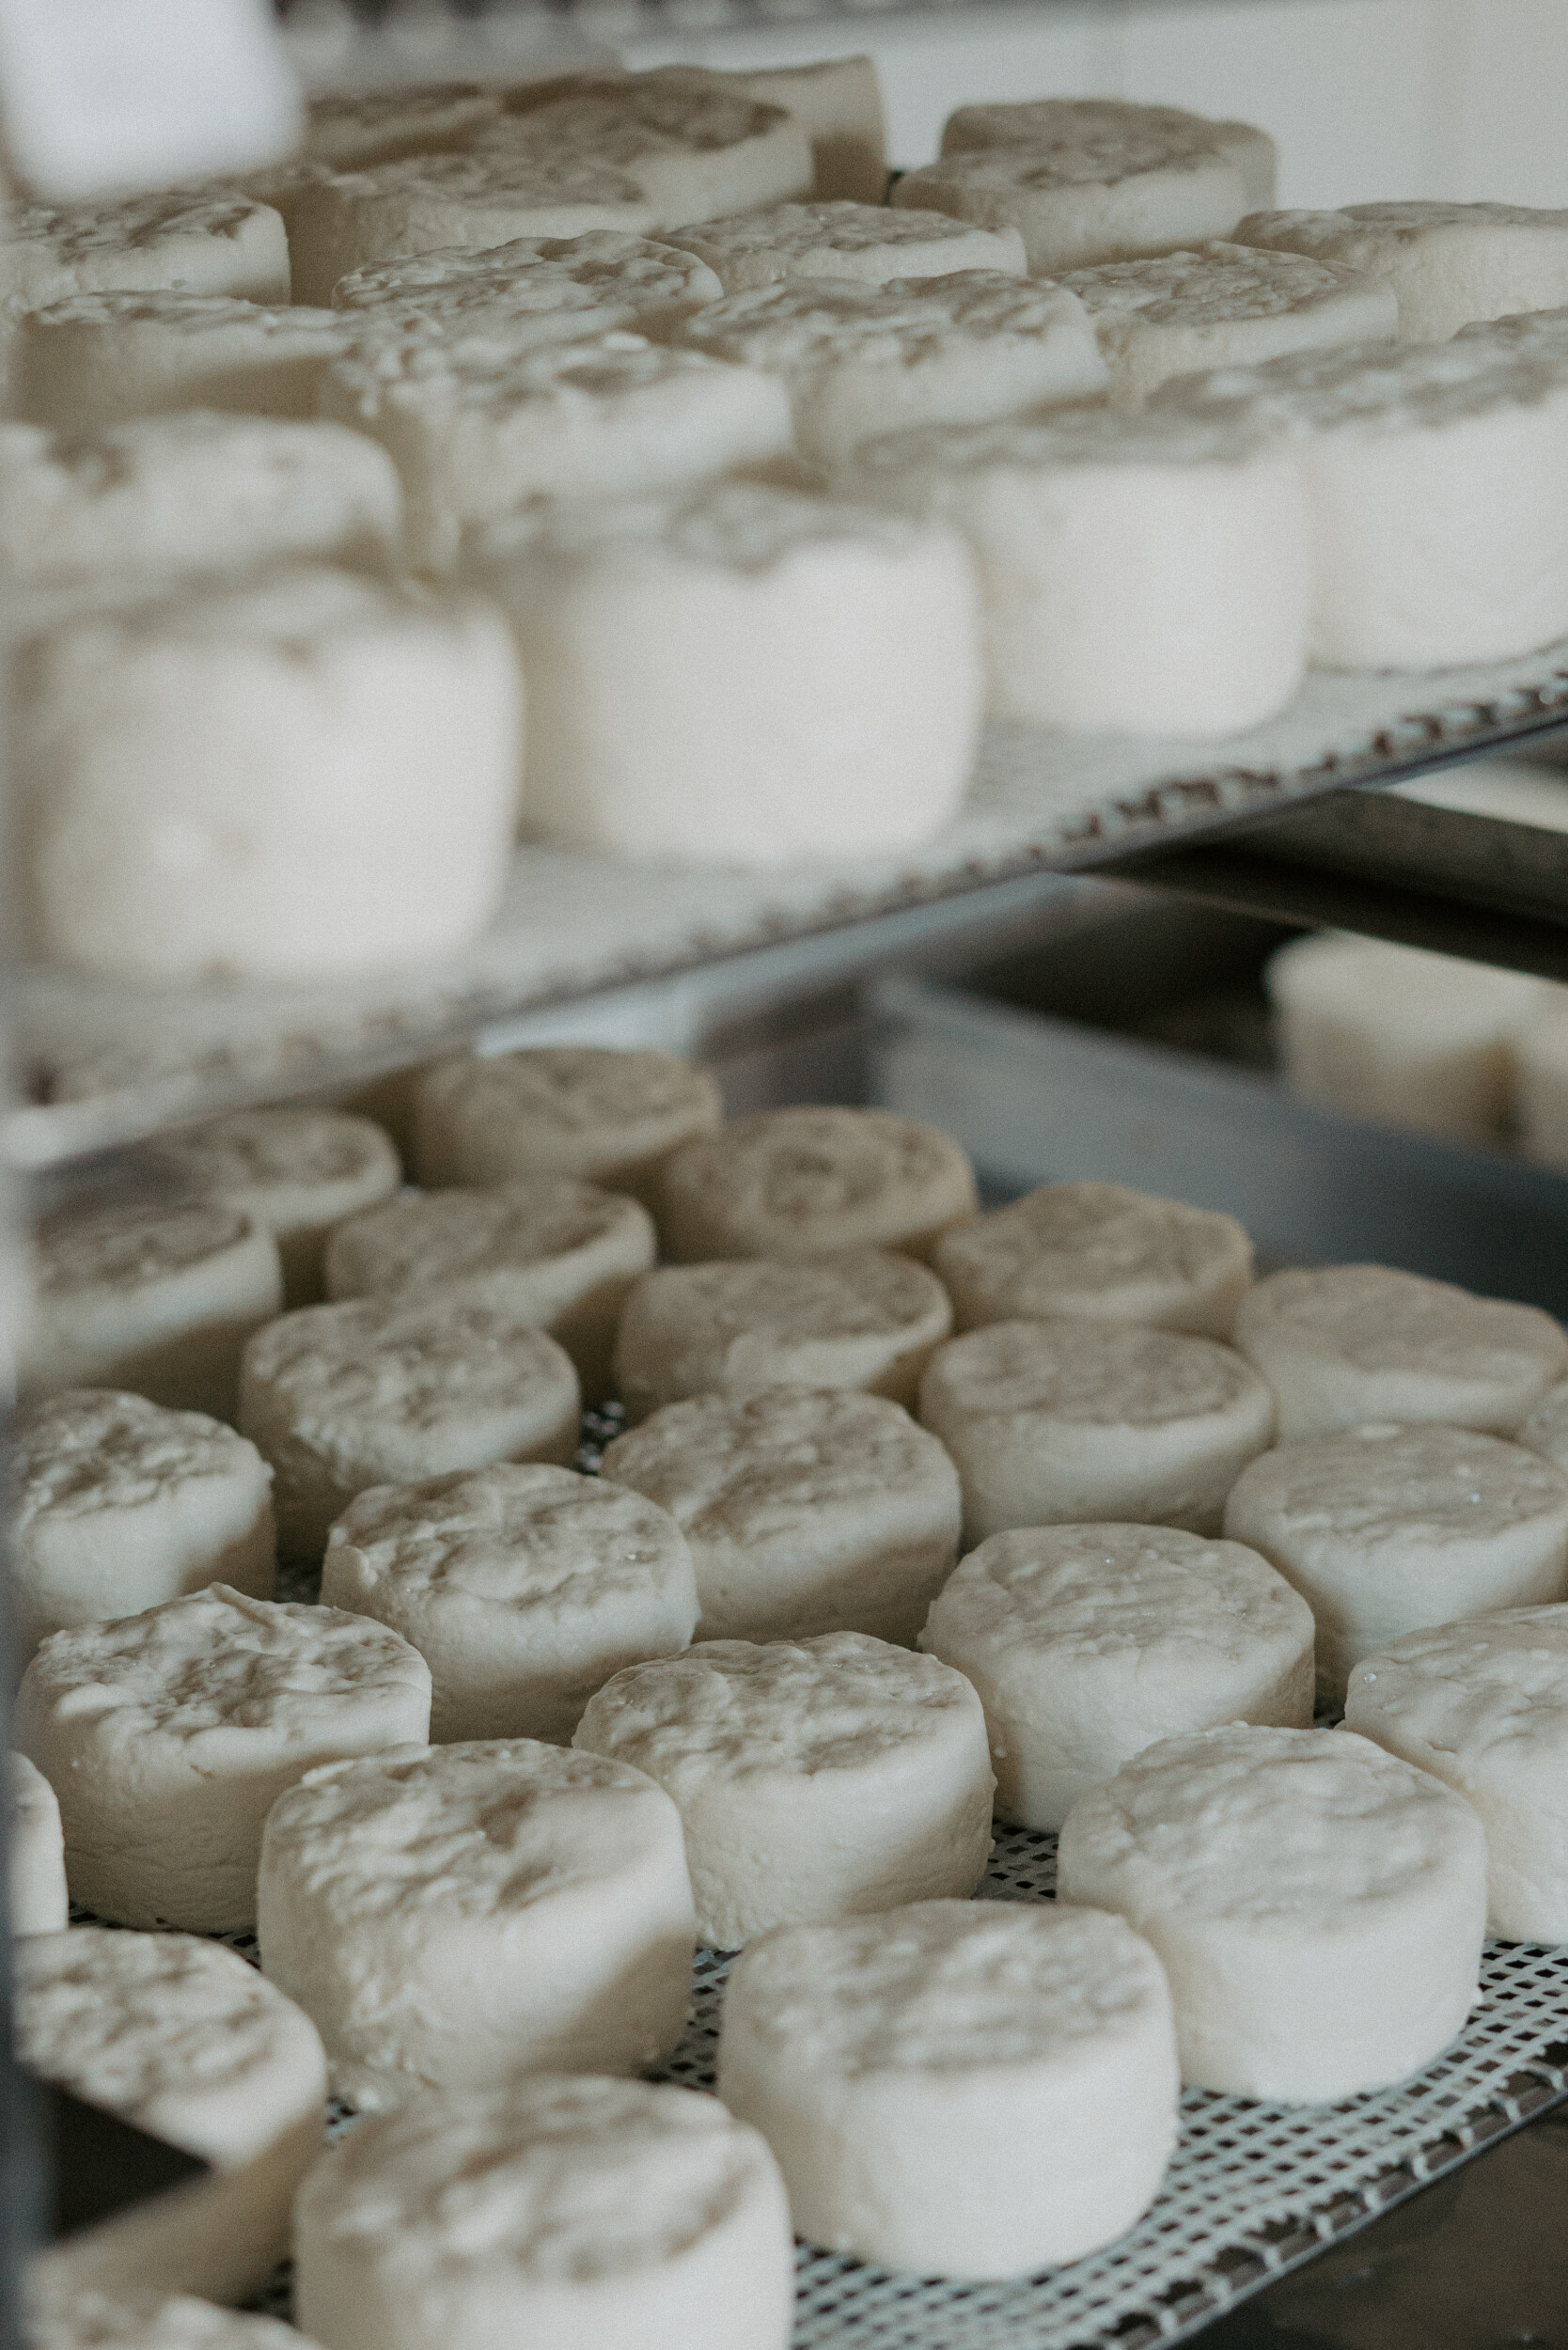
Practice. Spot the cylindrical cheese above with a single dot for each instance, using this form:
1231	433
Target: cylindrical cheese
191	240
584	1111
1446	264
100	357
296	1172
533	288
804	1182
1102	125
35	1897
1077	195
1099	1250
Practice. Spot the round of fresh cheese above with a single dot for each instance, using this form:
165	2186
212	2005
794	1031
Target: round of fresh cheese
36	1899
1143	574
523	1585
562	1254
815	1778
570	2215
1101	1251
120	1504
1317	1905
837	101
533	288
805	1513
866	1319
859	360
1073	1423
456	1916
168	1736
973	2088
100	357
1104	120
387	1391
188	242
1386	1528
1087	1643
1341	1344
804	1183
830	653
299	774
160	1300
152	2322
866	242
1446	264
297	1173
602	1117
1228	305
1484	1706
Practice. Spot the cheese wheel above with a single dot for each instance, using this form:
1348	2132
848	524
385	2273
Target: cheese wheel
1087	1643
838	101
859	360
815	1778
380	1391
120	1504
571	2214
1446	264
1139	574
168	1736
344	801
804	1182
533	288
1079	193
186	240
99	358
865	1318
1341	1344
1103	121
805	1513
563	1254
1099	1250
1228	305
974	2089
349	128
295	1172
848	646
1437	486
524	1587
1484	1706
1318	1906
454	1916
1069	1422
157	1299
154	2321
1386	1528
477	429
580	1110
35	1897
867	242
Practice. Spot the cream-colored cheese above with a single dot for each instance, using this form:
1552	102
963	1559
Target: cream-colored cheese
533	288
838	101
349	128
1082	192
100	358
1447	264
296	1172
1056	119
602	1117
186	242
154	2321
804	1182
866	242
1099	1250
37	1899
815	1778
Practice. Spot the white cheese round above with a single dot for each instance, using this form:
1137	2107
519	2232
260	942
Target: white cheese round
815	1778
189	241
1318	1906
974	2089
1082	192
1056	119
867	242
386	1391
859	360
523	1587
1446	264
1139	574
584	1111
152	2322
37	1899
168	1737
119	1504
1341	1344
160	1300
1484	1706
294	775
865	1318
532	287
1099	1250
99	358
570	2215
1073	1423
454	1916
1386	1528
839	673
562	1254
805	1513
804	1183
1087	1643
838	101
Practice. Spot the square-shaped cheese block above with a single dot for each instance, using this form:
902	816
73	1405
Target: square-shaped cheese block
1106	120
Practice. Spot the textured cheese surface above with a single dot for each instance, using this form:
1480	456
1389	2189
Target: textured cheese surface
533	285
351	127
523	1585
1087	1643
1098	1249
189	242
456	1915
1545	1428
1448	263
145	2322
100	357
296	1171
606	1117
1091	194
37	1899
1543	331
862	1319
1071	1421
1347	1343
801	1183
1105	123
176	2034
867	243
1378	390
805	1513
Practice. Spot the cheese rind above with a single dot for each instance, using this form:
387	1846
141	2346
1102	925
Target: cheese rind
805	1513
1386	1528
866	242
977	2089
806	1183
349	127
1099	1250
186	242
1318	1905
1102	119
815	1778
1087	1643
1083	197
1447	264
1068	1422
838	103
100	358
298	1173
455	1917
120	1504
152	2322
35	1897
583	1111
532	288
